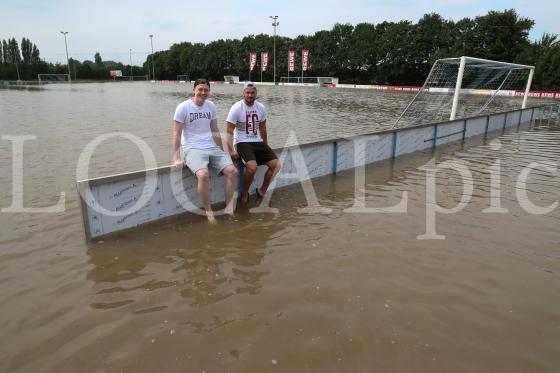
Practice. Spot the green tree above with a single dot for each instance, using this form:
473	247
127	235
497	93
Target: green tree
323	50
432	40
396	65
26	50
364	53
501	36
463	38
547	71
35	56
11	51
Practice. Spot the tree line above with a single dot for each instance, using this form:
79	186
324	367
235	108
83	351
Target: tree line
10	52
25	64
396	53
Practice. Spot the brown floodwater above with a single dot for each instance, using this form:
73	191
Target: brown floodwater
286	292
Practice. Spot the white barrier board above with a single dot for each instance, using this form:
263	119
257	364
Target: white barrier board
108	203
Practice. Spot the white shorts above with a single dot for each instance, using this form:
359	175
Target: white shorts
196	159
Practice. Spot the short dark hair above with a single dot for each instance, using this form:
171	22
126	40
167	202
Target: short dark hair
201	81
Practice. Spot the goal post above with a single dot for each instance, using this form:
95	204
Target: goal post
318	80
527	88
52	78
467	86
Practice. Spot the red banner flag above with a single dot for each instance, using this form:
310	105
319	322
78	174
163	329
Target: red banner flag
264	61
291	60
252	61
304	59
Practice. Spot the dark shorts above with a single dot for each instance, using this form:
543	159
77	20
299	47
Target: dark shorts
255	151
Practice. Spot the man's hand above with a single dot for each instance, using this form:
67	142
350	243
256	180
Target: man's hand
179	164
234	155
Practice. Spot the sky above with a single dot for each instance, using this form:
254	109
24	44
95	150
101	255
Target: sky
119	30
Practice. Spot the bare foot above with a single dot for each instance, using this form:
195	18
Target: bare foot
211	219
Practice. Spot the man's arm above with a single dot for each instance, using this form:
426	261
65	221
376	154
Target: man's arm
231	148
216	133
177	131
262	129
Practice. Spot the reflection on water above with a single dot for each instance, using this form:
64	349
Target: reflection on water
206	268
350	292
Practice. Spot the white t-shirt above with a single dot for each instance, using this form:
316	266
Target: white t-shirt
247	120
196	124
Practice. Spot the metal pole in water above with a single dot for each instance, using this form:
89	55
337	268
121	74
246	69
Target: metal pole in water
153	67
274	24
67	59
17	68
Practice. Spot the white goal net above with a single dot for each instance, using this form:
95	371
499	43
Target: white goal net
465	87
52	78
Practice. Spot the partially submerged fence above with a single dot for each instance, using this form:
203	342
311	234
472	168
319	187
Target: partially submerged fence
118	202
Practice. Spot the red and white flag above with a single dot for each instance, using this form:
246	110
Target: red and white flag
264	61
252	61
291	60
304	59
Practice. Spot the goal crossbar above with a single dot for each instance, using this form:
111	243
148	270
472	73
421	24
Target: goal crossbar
486	63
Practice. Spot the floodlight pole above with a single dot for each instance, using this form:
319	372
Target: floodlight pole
458	88
274	24
17	68
153	66
529	81
131	64
67	59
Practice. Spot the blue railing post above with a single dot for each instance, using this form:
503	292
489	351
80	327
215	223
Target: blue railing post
394	149
335	157
241	177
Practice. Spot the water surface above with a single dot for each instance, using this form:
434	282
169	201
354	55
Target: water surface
288	292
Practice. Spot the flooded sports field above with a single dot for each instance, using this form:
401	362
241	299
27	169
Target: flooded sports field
344	291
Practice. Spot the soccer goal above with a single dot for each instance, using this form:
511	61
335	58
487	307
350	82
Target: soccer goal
182	78
319	80
231	79
52	78
465	86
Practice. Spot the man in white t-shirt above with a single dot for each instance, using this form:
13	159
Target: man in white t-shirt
195	130
246	126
